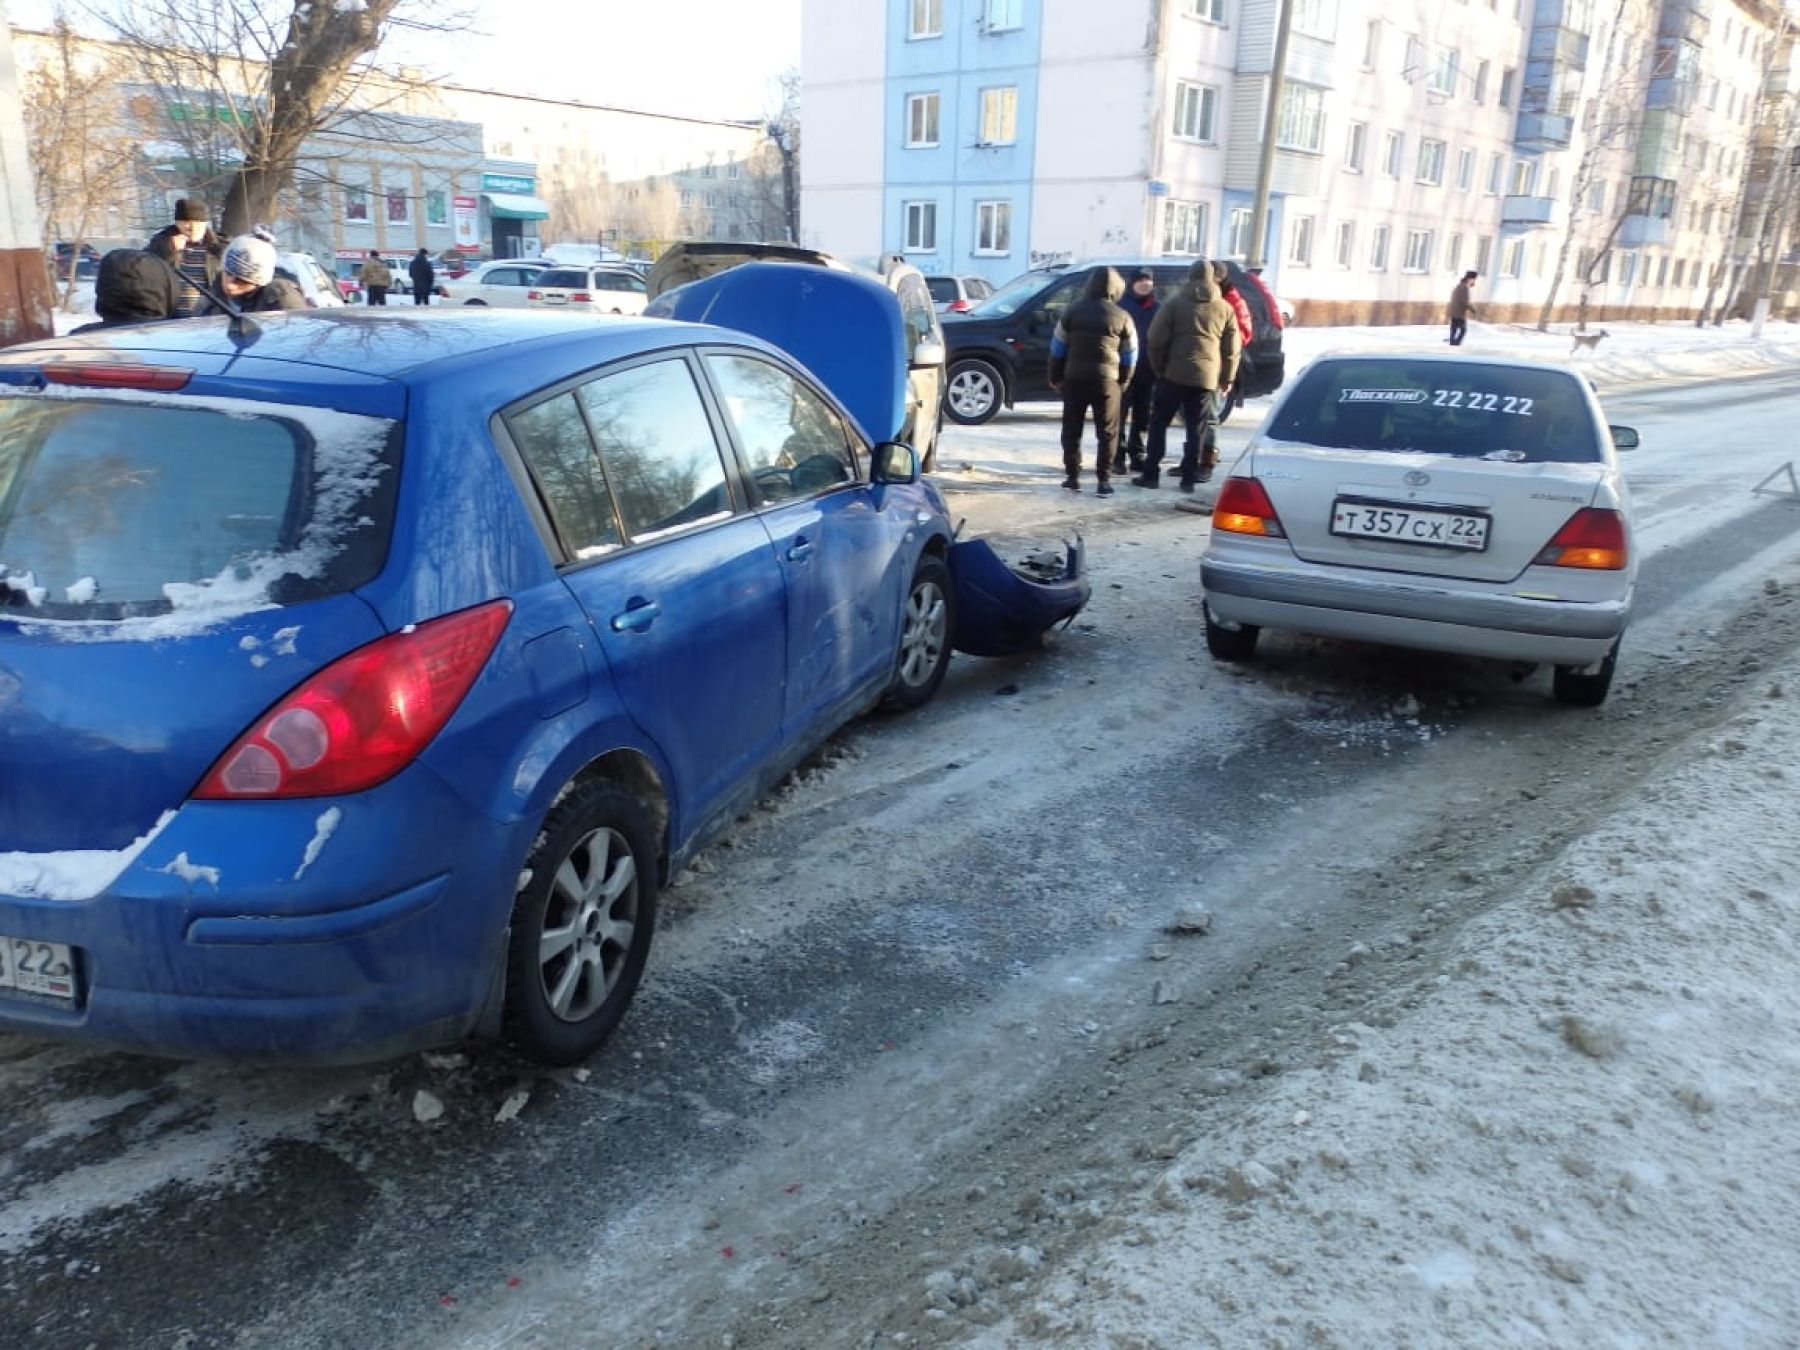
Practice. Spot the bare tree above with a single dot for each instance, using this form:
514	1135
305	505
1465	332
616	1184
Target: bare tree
783	130
84	167
1772	170
254	82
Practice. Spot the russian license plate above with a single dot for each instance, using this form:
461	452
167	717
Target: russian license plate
45	969
1409	525
551	298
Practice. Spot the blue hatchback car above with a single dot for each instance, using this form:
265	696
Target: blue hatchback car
363	676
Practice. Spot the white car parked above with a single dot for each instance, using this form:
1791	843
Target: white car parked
502	284
316	284
607	289
1445	502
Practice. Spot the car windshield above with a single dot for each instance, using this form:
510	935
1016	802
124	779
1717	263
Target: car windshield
1013	296
118	508
1515	414
573	277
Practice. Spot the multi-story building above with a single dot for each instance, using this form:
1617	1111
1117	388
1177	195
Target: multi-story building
1564	149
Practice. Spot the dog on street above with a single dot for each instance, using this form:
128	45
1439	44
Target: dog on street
1588	340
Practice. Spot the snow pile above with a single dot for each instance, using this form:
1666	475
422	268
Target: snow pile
1580	1133
74	874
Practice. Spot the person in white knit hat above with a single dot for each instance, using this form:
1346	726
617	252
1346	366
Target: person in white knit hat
247	276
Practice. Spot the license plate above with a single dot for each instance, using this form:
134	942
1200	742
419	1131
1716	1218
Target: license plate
556	299
45	969
1409	525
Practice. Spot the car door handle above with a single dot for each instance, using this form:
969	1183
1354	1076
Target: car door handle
802	550
637	618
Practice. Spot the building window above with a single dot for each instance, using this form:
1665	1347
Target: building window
1372	45
999	116
1356	140
1431	162
1627	268
1316	18
712	201
1662	271
356	205
1444	73
1453	255
927	19
437	208
1484	252
1300	243
708	170
921	227
399	207
1415	58
1496	164
1001	16
921	121
1512	262
1465	169
1346	243
1481	81
1393	151
1680	270
1553	182
687	197
1524	178
993	228
1378	247
1506	88
733	169
1302	123
1418	251
1239	243
1195	107
1184	227
1213	11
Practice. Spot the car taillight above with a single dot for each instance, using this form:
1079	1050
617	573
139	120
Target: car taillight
1244	508
1593	537
117	375
959	306
580	298
534	295
363	718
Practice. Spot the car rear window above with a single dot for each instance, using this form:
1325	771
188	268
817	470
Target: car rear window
119	508
943	289
571	277
1477	411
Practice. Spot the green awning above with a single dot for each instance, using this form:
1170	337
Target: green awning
516	206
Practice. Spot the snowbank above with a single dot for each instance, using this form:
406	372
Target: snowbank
1582	1136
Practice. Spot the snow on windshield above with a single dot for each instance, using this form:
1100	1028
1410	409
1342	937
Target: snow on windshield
347	460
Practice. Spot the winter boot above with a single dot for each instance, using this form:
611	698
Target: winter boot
1105	489
1148	478
1072	483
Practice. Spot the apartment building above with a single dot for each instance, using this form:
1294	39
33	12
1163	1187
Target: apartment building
1543	143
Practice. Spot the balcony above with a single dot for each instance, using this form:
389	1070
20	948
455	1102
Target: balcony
1684	19
1644	232
1559	46
1544	131
1527	210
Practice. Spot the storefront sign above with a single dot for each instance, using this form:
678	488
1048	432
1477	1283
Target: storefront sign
508	182
467	214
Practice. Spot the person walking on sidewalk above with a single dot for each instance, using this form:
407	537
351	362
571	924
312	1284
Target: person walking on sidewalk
1091	356
423	277
376	277
1194	352
1461	308
1140	303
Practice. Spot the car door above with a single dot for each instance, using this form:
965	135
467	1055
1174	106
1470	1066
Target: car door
841	542
680	584
1037	326
504	286
925	380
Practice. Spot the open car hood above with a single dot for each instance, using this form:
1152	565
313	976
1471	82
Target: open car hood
844	327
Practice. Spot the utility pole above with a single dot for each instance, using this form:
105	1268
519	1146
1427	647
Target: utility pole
1265	165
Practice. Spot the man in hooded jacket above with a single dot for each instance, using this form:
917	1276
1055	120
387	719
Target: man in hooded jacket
1194	352
1092	353
1141	304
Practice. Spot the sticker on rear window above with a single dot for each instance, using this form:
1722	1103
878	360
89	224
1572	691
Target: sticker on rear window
1477	401
1383	396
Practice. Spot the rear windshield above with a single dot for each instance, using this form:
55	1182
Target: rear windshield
116	508
1507	413
572	277
943	289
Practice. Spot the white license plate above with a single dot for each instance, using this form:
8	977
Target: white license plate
1409	525
556	299
46	969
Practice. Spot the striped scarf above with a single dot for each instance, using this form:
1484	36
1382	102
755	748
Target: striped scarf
192	271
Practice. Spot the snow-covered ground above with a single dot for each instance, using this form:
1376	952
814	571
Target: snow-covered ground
1580	1135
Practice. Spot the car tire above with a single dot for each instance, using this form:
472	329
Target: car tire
581	924
925	628
481	303
1582	687
973	391
1230	644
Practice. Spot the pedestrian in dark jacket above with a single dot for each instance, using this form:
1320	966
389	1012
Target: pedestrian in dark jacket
133	286
424	277
192	247
1194	352
1140	304
1461	306
247	277
1092	353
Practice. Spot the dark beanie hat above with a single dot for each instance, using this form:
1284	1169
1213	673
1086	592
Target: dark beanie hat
191	208
1142	274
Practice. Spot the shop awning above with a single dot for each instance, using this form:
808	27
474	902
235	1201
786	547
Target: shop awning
516	206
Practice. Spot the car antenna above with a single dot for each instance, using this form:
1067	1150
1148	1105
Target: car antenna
244	330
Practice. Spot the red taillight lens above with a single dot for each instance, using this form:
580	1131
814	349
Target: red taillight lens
1244	508
1593	537
117	375
959	306
534	295
580	298
364	717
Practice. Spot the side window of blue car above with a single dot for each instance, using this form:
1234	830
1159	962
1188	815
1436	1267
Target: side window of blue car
658	448
553	438
794	444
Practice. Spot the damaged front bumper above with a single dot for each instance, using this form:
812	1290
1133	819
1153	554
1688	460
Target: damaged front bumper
1003	610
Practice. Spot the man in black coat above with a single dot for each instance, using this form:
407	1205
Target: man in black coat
133	286
1091	356
424	278
1140	304
193	248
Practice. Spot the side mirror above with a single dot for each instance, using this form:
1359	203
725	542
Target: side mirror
895	462
1624	438
929	354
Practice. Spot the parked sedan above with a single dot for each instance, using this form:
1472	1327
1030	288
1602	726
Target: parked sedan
958	295
504	284
372	685
608	289
1450	503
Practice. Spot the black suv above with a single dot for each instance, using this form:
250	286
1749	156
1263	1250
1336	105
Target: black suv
999	352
